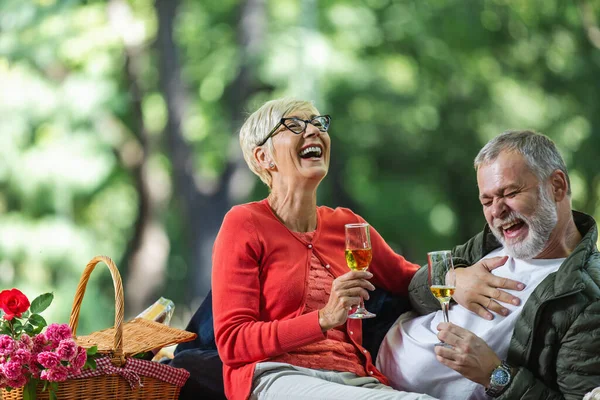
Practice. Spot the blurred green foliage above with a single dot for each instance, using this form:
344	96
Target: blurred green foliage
415	89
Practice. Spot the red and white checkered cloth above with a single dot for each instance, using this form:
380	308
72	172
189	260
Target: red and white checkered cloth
133	369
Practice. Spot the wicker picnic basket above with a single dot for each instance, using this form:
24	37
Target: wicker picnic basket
118	375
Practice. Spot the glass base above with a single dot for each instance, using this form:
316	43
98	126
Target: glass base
361	313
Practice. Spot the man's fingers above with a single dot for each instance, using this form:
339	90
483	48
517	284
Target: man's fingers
504	283
481	311
449	337
497	308
504	297
494	262
445	353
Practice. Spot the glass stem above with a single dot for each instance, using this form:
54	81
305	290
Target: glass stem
445	305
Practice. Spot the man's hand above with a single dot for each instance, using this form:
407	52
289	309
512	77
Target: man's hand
468	355
479	291
346	293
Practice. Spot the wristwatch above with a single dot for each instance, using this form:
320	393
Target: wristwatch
499	381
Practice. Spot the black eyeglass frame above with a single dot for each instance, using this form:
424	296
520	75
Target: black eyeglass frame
282	121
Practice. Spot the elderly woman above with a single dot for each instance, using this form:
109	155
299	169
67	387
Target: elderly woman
281	287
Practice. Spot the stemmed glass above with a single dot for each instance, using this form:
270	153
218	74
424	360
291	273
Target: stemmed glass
442	279
358	258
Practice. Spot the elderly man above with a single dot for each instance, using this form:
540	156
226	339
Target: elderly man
543	339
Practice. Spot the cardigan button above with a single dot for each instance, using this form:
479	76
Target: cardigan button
371	372
310	246
327	266
352	332
365	351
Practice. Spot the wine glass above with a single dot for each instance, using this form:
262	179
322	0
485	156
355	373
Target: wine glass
358	258
442	279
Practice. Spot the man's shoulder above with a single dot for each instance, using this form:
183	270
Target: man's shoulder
592	268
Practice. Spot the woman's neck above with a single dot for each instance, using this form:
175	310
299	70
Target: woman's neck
297	210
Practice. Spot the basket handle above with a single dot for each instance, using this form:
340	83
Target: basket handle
118	357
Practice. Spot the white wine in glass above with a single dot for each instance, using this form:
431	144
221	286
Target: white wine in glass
442	279
358	258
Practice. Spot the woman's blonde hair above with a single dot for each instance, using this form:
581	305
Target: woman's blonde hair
260	123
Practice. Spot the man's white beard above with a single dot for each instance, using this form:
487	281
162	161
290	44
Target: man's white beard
540	224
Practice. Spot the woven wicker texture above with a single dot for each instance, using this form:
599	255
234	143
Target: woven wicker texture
103	387
120	342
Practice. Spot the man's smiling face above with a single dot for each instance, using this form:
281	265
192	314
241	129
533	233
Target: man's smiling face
517	206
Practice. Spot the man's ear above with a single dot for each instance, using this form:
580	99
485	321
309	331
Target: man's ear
263	158
560	187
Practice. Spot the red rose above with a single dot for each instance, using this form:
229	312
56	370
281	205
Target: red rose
14	303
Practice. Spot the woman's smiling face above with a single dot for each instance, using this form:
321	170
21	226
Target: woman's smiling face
304	155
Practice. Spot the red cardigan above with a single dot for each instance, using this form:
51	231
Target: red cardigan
259	280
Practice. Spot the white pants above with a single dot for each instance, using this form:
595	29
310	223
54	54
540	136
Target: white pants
284	381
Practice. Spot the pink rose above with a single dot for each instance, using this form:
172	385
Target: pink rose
48	359
14	303
12	370
22	356
79	361
7	345
39	342
58	374
17	383
55	333
34	370
26	342
67	349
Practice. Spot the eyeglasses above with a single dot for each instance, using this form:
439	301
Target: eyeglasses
298	126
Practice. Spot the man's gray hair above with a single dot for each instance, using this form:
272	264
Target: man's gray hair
539	152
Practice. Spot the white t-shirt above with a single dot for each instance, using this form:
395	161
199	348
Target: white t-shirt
407	357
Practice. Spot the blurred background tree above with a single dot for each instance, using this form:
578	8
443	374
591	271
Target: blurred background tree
119	119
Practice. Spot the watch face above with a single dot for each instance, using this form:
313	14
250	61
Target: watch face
500	377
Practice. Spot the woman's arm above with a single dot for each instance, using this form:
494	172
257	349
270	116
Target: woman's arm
241	336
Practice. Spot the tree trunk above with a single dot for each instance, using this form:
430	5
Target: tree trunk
204	212
147	252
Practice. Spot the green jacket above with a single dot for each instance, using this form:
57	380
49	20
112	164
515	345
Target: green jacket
556	341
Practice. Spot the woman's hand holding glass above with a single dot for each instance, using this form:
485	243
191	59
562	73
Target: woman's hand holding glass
347	291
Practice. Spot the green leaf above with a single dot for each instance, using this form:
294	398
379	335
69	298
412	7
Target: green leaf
26	314
41	302
92	350
37	320
37	330
29	390
28	329
90	363
53	395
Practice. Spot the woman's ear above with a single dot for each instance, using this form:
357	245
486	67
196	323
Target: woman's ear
263	158
559	183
